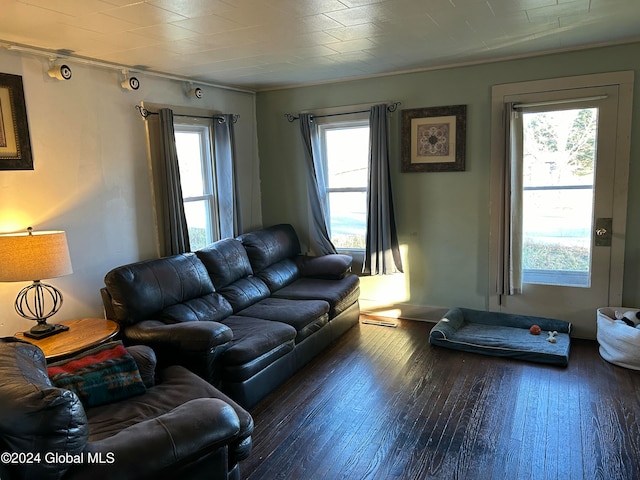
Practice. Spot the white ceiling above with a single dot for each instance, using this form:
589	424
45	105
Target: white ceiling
264	44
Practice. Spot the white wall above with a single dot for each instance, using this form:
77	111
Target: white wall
91	176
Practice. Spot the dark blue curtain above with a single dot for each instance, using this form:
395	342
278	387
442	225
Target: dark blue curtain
227	176
320	243
173	222
382	254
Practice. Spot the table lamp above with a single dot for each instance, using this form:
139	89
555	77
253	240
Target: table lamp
33	256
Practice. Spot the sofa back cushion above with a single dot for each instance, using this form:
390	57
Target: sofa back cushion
230	270
270	245
36	417
212	306
272	253
245	292
279	274
178	284
226	261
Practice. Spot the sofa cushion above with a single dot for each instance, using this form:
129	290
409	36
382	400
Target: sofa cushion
175	387
270	245
210	307
340	294
306	316
244	292
256	344
279	274
231	273
143	289
226	261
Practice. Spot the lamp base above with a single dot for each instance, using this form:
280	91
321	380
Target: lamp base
57	328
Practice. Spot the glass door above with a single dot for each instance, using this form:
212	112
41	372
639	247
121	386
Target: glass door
570	200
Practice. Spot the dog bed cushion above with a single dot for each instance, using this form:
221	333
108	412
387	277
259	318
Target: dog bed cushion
503	334
619	342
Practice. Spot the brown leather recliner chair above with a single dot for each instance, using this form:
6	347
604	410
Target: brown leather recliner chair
181	427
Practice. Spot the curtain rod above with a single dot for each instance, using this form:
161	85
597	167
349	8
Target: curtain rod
292	118
558	102
144	113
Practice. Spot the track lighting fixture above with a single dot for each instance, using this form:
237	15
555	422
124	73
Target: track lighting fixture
129	83
59	71
63	71
194	92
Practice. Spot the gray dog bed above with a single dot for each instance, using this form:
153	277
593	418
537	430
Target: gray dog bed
503	334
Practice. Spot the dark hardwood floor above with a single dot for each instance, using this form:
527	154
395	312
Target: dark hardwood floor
381	403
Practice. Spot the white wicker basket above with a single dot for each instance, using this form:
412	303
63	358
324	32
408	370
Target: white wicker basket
619	343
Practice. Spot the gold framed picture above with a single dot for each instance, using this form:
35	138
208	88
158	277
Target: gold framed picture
433	139
15	143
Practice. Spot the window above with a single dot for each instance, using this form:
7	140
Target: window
345	156
559	147
194	146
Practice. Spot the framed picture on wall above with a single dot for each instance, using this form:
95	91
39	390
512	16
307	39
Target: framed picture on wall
15	143
433	139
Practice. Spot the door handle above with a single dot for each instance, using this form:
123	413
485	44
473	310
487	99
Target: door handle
603	232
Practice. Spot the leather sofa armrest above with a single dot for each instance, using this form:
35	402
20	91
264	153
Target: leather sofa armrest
107	303
333	266
156	447
241	447
146	361
194	345
186	337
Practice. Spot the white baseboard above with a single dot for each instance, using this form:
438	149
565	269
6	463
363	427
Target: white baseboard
424	313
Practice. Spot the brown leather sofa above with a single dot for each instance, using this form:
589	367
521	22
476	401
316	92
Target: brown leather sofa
181	427
244	313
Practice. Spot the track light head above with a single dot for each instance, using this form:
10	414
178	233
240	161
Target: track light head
130	83
195	92
60	71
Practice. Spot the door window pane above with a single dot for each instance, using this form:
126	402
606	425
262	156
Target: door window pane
558	178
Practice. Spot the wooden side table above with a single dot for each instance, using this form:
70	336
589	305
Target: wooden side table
83	333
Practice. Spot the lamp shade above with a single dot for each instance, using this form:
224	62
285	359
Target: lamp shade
34	256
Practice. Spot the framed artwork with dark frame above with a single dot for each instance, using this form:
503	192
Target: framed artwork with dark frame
433	139
15	143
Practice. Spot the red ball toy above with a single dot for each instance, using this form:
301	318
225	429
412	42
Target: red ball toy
535	330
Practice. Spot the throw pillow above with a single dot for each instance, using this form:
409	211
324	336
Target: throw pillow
104	374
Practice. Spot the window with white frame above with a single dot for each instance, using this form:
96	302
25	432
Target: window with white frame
345	156
195	158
